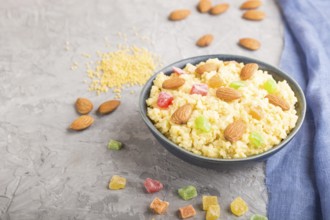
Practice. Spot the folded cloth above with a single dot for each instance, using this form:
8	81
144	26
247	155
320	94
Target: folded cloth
298	177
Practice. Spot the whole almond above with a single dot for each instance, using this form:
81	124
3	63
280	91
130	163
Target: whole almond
182	114
108	106
207	67
277	101
249	43
219	9
251	4
82	123
204	6
173	83
235	131
205	40
228	94
248	70
215	82
254	15
83	106
179	14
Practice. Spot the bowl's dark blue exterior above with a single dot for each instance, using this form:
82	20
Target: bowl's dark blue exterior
213	162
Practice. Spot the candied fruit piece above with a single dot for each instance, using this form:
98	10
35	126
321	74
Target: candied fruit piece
152	186
237	84
178	70
256	112
238	207
200	89
187	192
215	82
164	100
158	206
208	201
117	182
213	212
114	145
256	139
270	85
201	123
187	212
258	217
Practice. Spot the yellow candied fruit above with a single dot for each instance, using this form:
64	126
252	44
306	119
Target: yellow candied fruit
213	213
208	201
238	207
117	182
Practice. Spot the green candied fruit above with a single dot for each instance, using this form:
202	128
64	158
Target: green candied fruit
258	217
201	123
187	192
237	84
270	85
114	145
256	139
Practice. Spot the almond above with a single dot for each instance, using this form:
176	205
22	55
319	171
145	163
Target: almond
251	4
254	15
179	14
277	101
235	131
108	106
256	112
204	6
182	114
228	94
205	40
173	83
249	43
207	67
215	82
83	106
248	70
82	123
219	9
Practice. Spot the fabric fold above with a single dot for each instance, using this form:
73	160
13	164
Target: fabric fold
298	177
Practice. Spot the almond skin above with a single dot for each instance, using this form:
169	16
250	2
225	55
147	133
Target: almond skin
205	40
207	67
83	106
248	70
179	14
249	43
215	82
251	4
254	15
173	82
228	94
219	9
277	101
182	114
235	131
108	106
204	6
82	123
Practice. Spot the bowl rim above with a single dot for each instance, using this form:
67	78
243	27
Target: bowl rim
292	83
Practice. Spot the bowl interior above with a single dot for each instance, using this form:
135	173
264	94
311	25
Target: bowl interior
276	73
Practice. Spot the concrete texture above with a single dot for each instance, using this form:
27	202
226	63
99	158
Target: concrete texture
47	172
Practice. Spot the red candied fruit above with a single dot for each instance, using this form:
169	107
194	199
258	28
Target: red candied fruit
164	100
200	89
152	186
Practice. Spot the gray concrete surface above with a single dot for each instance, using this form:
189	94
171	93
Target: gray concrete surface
47	172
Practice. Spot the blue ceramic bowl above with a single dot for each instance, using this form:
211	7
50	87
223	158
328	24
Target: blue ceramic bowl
215	162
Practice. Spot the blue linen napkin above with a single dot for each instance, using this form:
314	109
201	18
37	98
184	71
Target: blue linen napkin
298	177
